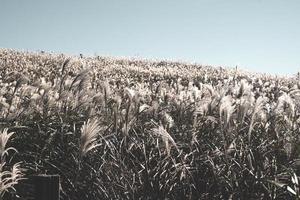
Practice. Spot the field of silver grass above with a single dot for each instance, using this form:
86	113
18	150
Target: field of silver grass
132	129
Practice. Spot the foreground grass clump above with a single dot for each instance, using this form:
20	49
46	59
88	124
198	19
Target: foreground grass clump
9	175
127	129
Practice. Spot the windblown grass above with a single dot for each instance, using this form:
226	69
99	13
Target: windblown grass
131	129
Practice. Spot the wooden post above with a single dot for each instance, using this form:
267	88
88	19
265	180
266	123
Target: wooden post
46	187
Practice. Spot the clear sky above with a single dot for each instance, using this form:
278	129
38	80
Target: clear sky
258	35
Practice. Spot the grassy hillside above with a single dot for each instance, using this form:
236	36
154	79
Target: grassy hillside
132	129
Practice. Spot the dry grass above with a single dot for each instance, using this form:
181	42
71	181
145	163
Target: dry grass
8	177
130	129
89	133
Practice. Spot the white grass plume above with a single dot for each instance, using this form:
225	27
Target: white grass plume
226	109
4	137
89	134
165	136
258	110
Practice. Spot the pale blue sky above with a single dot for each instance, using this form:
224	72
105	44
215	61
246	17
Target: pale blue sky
258	35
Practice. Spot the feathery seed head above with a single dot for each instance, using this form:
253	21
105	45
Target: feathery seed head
89	133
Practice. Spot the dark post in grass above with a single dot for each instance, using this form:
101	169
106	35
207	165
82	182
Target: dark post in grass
46	187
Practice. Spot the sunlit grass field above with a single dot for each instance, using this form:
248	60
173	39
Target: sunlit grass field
137	129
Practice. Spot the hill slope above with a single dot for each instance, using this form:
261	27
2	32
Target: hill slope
132	129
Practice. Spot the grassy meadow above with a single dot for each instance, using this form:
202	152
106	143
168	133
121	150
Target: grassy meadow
137	129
